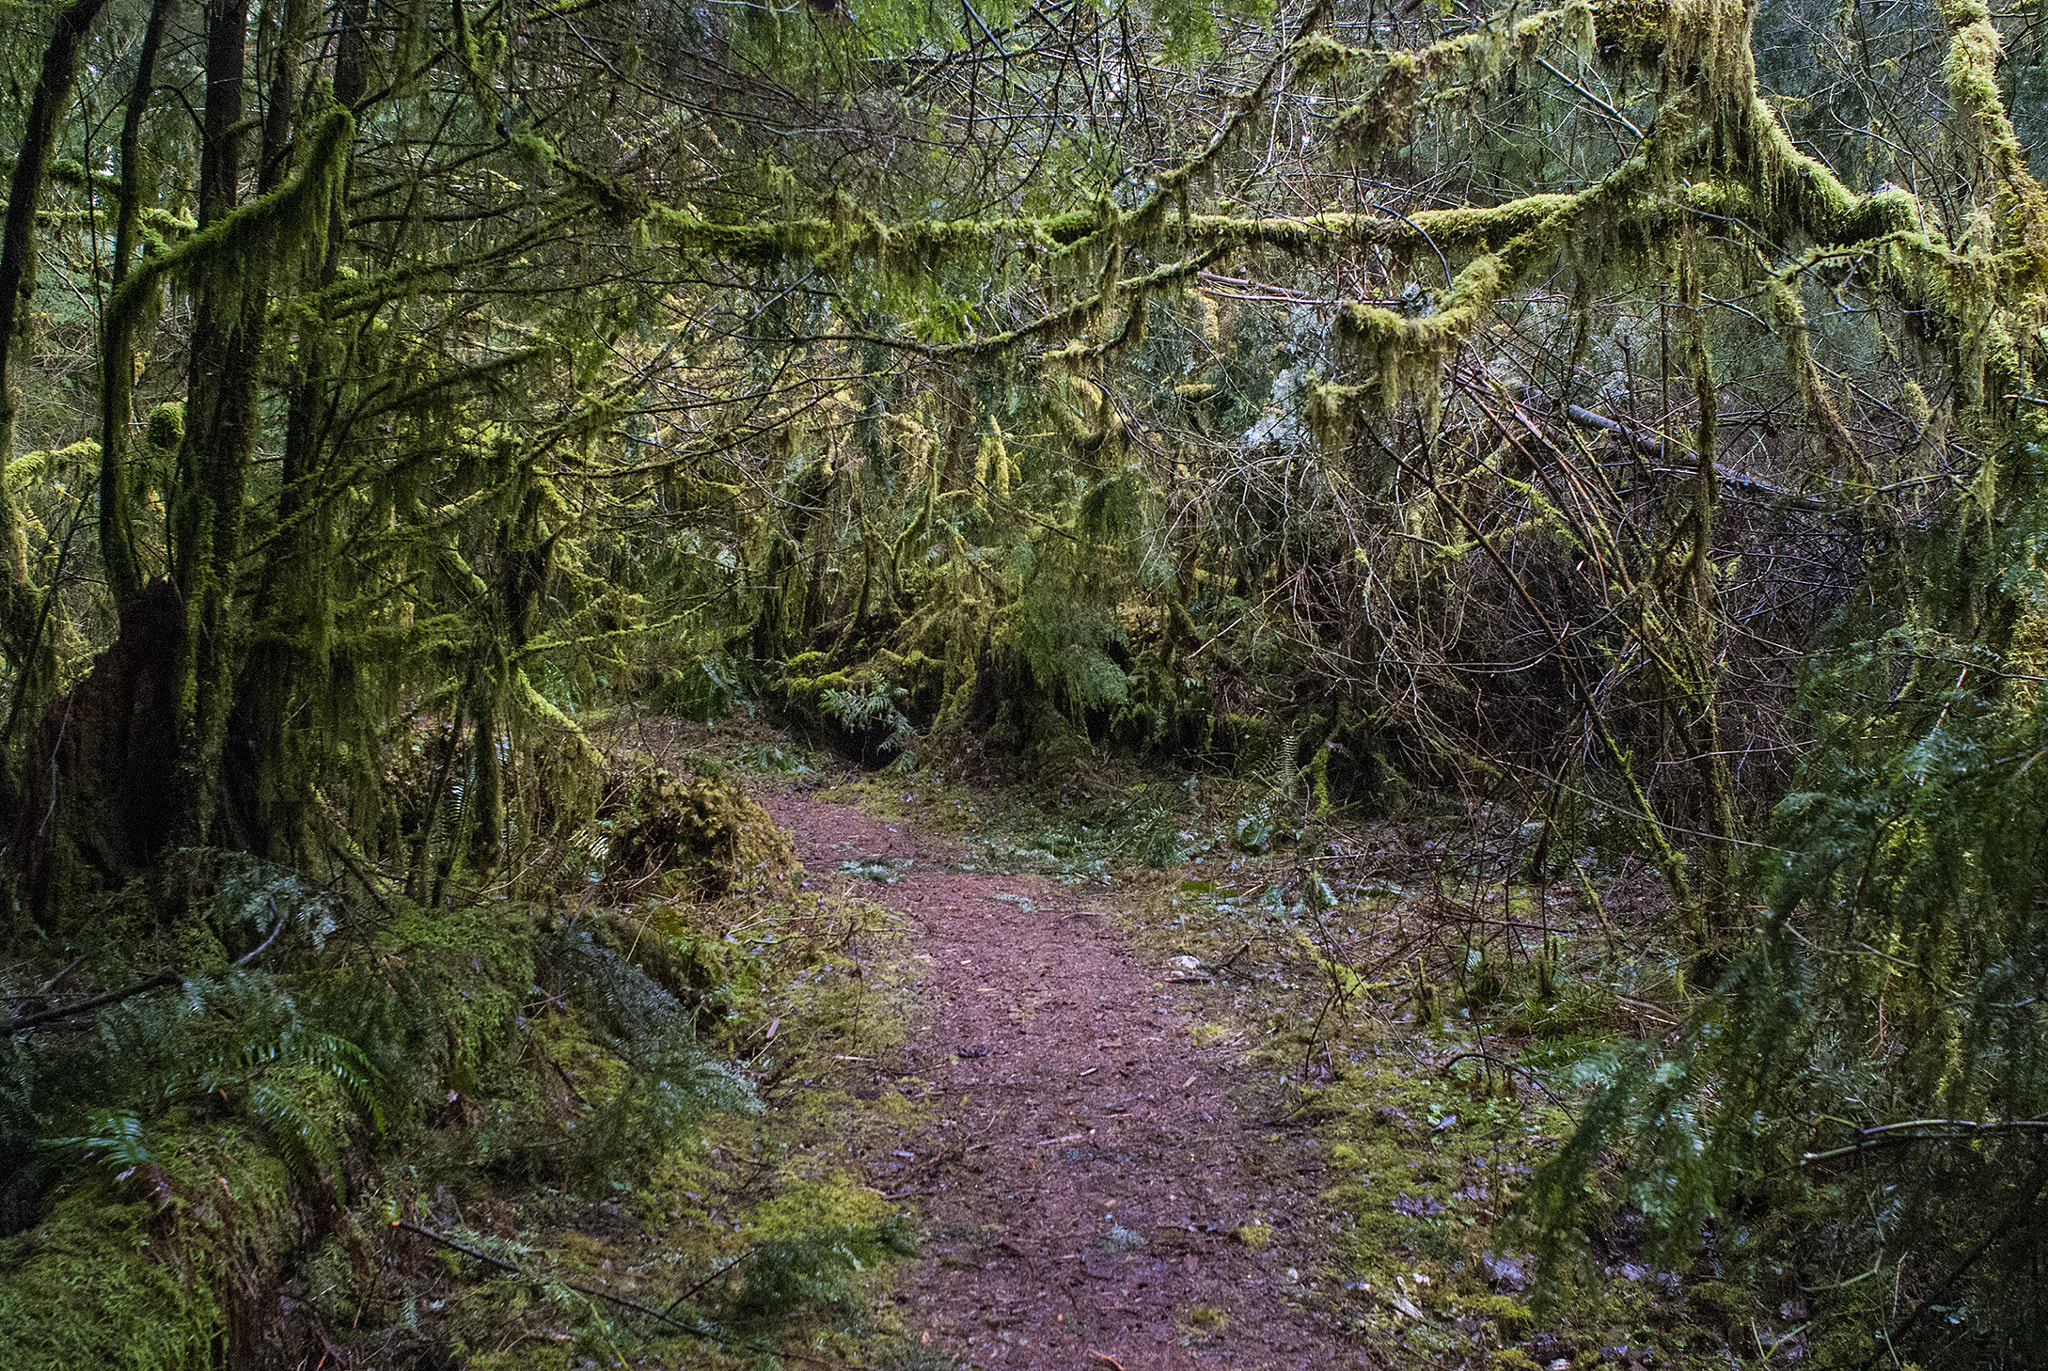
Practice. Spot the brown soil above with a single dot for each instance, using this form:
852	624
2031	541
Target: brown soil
1088	1169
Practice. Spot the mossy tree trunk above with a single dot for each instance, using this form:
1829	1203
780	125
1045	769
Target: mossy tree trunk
22	611
290	615
117	357
221	426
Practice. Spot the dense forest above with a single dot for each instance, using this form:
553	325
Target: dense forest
1608	437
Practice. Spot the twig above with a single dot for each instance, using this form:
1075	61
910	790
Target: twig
723	1270
1925	1130
47	986
695	1330
1506	1066
1610	110
574	1093
263	946
1225	966
141	987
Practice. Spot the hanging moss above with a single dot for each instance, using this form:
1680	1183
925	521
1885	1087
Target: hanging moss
1790	316
992	464
1411	81
1404	356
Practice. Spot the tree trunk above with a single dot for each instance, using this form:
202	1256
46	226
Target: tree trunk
221	426
100	784
264	788
21	603
117	358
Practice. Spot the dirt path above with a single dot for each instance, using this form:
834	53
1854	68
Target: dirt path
1088	1172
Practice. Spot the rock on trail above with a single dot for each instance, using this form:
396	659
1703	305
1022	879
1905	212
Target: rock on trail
1086	1173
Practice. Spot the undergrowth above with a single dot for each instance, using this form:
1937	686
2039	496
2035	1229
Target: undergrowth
1423	1029
610	1121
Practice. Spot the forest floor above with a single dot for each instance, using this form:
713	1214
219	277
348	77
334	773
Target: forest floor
1170	1072
1088	1166
1102	1070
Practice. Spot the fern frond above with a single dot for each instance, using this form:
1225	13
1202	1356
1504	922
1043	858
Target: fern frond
674	1080
117	1140
1286	775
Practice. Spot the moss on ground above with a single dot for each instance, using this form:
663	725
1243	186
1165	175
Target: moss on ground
83	1288
1425	1063
554	1151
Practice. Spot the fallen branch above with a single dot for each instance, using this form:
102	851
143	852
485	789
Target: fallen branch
141	987
156	982
1653	447
695	1330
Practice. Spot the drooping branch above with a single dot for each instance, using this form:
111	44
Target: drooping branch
1716	150
1397	354
1409	82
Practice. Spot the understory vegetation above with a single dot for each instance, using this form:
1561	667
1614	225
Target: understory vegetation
481	1133
1607	440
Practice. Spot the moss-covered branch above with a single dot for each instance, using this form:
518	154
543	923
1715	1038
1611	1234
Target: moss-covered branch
854	238
1409	82
1461	230
291	218
1971	70
1717	150
1396	354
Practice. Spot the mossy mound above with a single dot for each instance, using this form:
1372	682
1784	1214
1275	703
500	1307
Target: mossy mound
701	836
81	1290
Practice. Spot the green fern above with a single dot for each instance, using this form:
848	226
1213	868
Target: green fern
1286	774
672	1079
116	1139
785	1276
872	709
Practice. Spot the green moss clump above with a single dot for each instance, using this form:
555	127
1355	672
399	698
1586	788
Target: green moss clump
83	1289
701	834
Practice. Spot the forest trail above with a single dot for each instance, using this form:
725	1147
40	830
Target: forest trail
1086	1170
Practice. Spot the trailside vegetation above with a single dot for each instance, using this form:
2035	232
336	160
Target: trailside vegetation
1626	412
